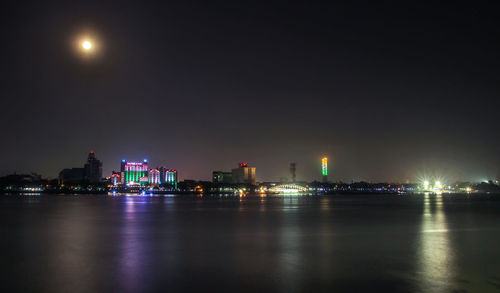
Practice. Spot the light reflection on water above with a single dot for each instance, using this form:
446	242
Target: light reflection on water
289	243
131	247
290	239
435	253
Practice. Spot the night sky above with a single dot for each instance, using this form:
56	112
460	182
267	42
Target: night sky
389	91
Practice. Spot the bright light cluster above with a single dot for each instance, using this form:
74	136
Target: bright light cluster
437	186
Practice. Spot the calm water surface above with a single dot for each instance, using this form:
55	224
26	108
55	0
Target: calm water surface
348	243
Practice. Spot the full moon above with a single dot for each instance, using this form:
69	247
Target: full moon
86	45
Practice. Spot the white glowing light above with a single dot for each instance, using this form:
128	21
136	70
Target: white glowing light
86	45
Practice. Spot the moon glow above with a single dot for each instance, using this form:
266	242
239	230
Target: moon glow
87	45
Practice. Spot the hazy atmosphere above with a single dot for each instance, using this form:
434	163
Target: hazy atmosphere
386	90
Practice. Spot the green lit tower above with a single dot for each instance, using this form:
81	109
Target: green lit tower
324	169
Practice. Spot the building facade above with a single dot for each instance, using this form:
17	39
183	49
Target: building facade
170	178
154	177
222	177
115	178
244	174
93	169
134	173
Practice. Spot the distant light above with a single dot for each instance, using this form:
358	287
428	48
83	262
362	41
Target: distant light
324	166
87	45
438	184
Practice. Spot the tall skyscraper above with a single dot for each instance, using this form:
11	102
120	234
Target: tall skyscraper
93	169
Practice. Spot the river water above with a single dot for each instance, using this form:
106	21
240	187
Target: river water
342	243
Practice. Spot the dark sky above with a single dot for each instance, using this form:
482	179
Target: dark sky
390	91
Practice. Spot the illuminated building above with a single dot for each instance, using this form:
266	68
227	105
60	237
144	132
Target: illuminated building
170	178
134	173
115	178
244	174
222	177
324	169
154	177
93	169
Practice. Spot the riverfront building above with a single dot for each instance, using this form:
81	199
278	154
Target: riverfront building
222	177
72	176
91	173
154	177
93	169
115	178
134	173
244	174
170	178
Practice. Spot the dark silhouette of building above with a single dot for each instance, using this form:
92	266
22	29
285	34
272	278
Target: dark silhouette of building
20	179
90	173
72	176
222	177
292	171
93	169
162	170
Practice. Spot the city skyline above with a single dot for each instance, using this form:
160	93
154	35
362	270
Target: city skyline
250	146
387	90
321	174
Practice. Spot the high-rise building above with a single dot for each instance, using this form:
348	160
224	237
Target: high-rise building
170	178
134	173
154	177
244	174
222	177
324	169
93	169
